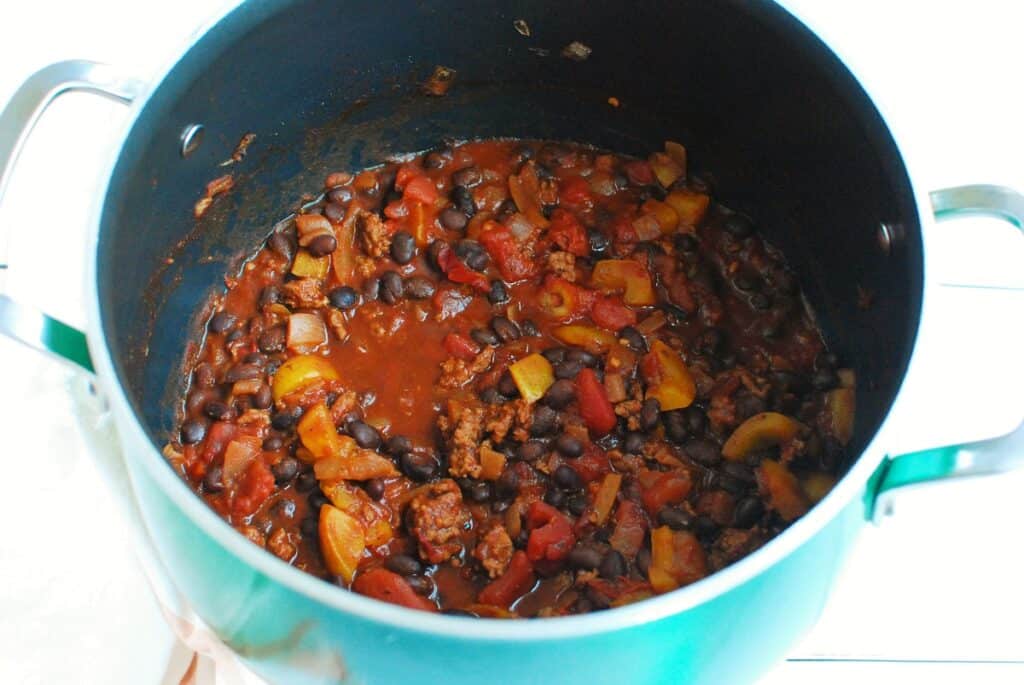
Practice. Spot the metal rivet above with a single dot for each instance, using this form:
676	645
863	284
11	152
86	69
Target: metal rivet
191	138
888	235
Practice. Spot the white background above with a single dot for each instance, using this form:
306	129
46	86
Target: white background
939	581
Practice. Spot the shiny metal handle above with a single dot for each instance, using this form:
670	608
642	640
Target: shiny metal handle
19	321
972	459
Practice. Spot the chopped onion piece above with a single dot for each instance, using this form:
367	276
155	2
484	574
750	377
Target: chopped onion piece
239	454
520	226
306	332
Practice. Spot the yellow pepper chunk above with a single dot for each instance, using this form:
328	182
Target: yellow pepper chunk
665	169
783	490
308	266
627	275
590	338
533	376
663	213
300	371
668	379
342	541
676	559
319	436
689	207
840	404
758	432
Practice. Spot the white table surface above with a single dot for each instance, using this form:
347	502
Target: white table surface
933	594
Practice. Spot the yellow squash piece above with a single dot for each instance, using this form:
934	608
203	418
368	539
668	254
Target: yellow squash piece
492	462
319	436
590	338
300	371
668	379
604	500
308	266
533	376
689	207
758	432
663	213
342	541
840	404
677	559
783	490
628	276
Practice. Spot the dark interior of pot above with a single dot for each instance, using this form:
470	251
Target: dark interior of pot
761	105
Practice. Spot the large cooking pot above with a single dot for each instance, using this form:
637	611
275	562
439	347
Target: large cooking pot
758	100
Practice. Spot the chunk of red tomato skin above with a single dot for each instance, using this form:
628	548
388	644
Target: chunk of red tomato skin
510	256
575	191
450	302
217	438
630	528
610	313
406	173
253	489
595	408
592	465
517	580
421	189
671	487
568	233
551	535
639	172
390	587
458	345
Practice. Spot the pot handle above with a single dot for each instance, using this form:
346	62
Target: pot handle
20	321
977	458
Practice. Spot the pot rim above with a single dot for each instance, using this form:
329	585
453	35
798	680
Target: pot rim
849	487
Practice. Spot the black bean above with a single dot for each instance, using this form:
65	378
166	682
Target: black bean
283	243
613	565
223	322
480	491
322	245
421	585
192	431
569	446
748	404
581	356
270	295
684	242
748	512
286	419
437	159
285	470
529	329
568	370
554	354
419	287
491	396
241	372
418	467
577	504
745	282
634	442
218	410
213	481
703	452
473	254
738	471
334	212
403	247
366	436
404	565
555	498
273	339
485	336
643	561
285	508
507	385
545	421
824	379
257	358
650	412
375	488
310	527
391	287
397	445
760	302
507	485
709	341
634	339
263	398
343	297
498	294
468	177
453	220
317	499
705	527
566	478
675	518
675	426
738	225
826	360
273	443
585	557
462	197
531	450
598	242
696	421
339	195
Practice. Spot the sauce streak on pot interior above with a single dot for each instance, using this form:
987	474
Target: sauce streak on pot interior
511	378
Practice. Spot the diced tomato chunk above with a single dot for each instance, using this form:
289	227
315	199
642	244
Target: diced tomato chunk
593	464
420	189
255	486
671	487
511	257
610	313
218	436
396	210
512	584
630	527
575	191
568	233
639	172
406	173
551	536
460	346
388	586
595	408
